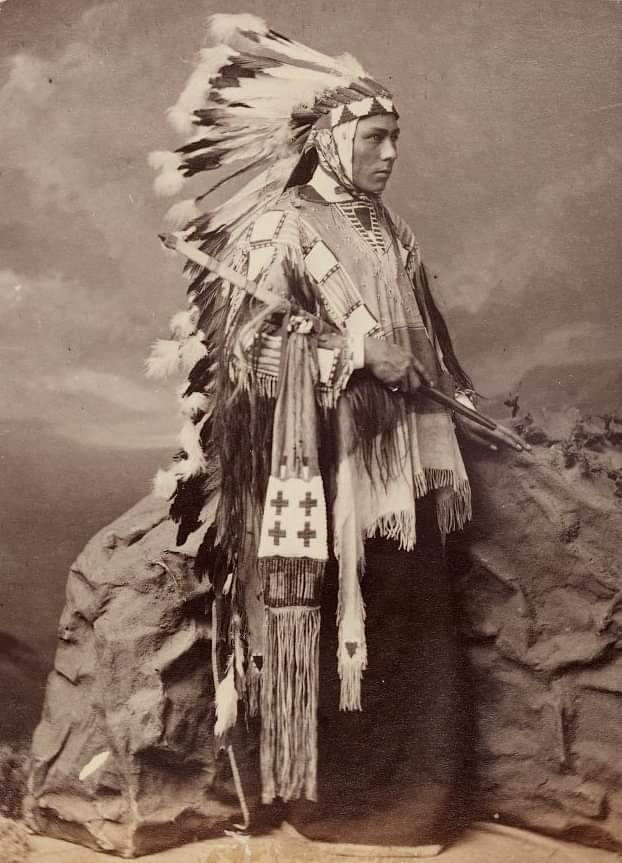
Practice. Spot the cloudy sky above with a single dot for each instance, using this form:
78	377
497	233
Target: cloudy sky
509	172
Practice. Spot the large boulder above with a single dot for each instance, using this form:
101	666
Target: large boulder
124	755
124	758
542	593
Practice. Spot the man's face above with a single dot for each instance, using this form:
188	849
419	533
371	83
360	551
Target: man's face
374	152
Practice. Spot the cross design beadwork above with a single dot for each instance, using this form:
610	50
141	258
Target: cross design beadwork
279	502
276	533
308	503
307	534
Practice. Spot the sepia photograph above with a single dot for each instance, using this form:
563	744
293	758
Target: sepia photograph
310	431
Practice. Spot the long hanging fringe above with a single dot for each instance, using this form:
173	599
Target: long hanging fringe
399	526
453	503
289	701
439	478
453	507
254	677
352	649
453	511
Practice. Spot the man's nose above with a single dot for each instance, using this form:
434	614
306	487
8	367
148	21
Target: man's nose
388	153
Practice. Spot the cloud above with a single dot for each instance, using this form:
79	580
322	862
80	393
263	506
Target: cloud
109	410
29	77
157	433
50	313
116	390
512	352
90	406
511	242
53	331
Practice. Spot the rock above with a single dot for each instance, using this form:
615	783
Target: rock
14	769
124	758
567	648
543	602
13	841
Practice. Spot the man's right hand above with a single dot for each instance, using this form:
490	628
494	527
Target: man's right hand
391	363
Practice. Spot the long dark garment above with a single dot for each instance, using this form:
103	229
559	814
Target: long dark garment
395	772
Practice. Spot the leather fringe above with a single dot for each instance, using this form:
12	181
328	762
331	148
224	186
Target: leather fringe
454	511
399	526
352	650
254	678
252	380
351	670
439	478
289	701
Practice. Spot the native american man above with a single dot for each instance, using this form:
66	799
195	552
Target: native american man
324	482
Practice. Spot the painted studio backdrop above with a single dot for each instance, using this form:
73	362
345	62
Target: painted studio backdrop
509	173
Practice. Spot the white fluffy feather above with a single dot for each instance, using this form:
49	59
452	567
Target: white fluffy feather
164	484
182	212
226	703
191	405
164	359
192	350
169	182
352	65
190	442
163	160
196	88
183	324
180	119
223	28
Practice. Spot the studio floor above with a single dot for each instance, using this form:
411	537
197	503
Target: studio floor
483	843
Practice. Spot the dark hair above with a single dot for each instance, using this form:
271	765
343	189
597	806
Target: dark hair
304	169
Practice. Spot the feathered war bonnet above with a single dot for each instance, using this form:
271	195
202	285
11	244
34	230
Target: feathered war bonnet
252	101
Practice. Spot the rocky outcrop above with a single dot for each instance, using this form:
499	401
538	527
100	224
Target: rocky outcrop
123	758
124	755
542	590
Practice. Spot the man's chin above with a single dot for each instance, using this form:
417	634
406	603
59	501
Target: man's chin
375	188
380	182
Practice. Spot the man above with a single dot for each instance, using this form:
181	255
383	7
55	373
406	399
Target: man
337	481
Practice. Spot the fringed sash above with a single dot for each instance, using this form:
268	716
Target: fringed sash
292	559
